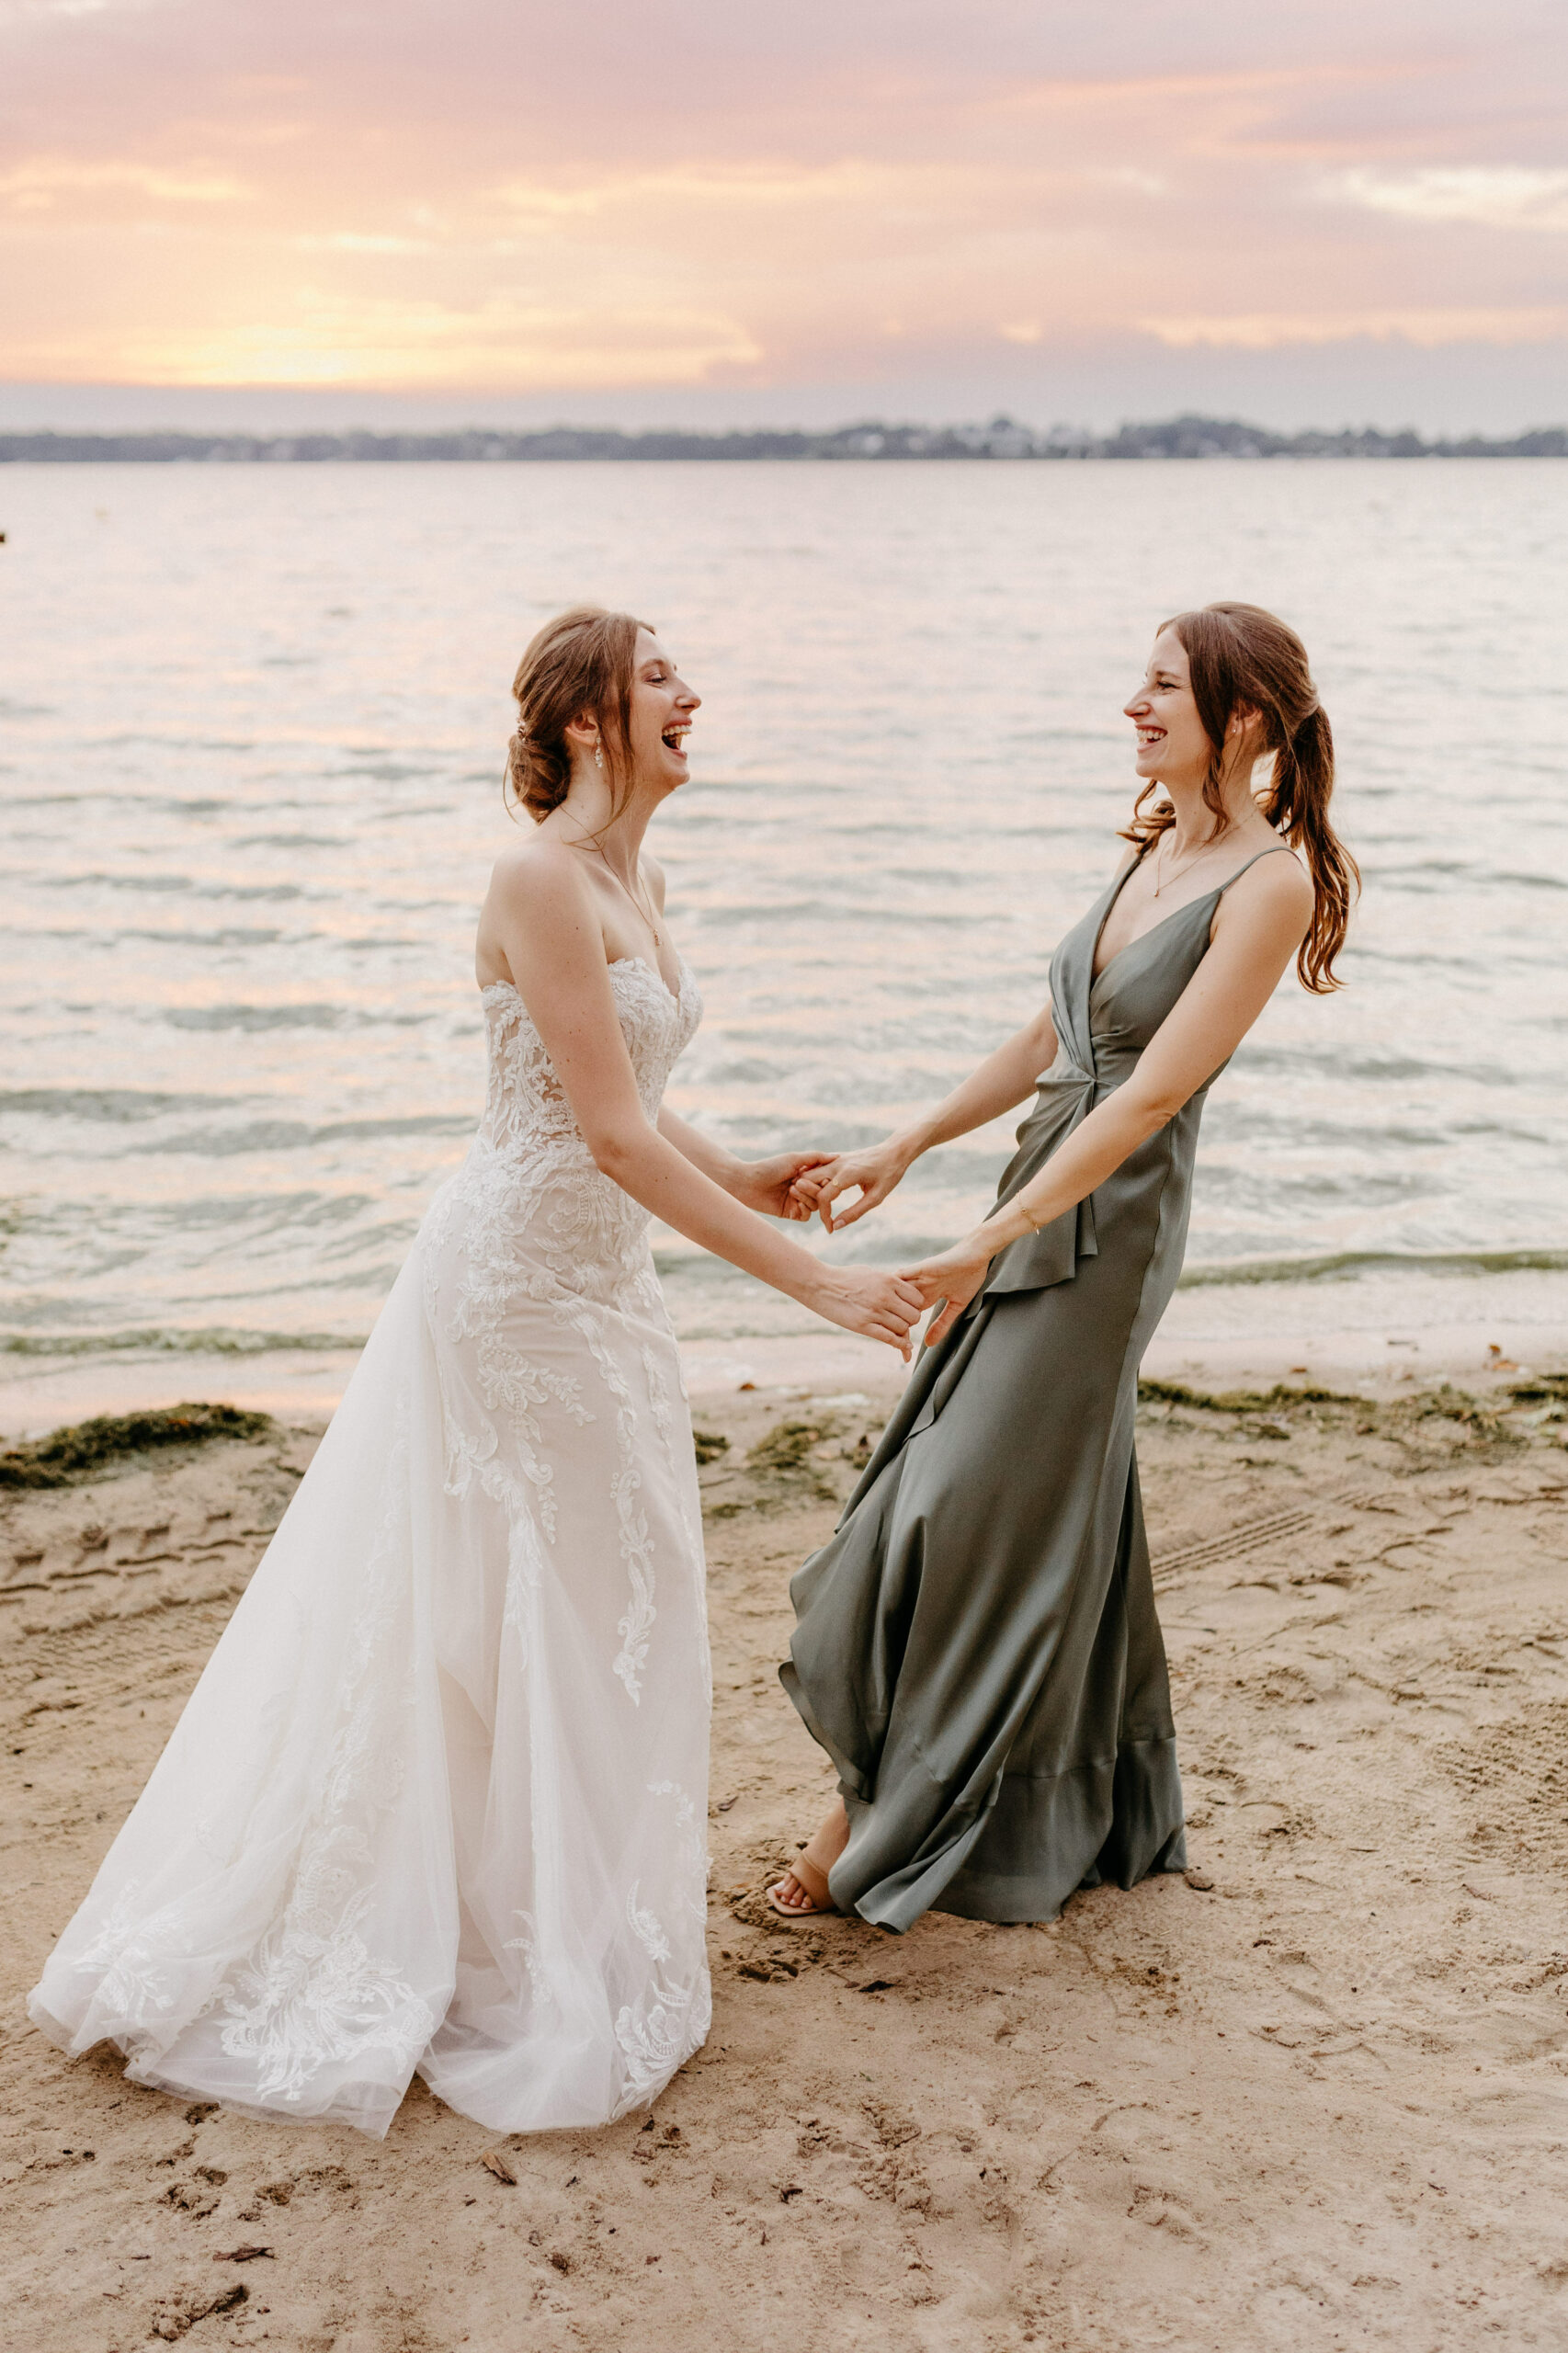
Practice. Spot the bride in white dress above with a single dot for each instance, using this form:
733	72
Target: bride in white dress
439	1803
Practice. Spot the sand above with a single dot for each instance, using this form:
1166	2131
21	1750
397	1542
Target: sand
1315	2093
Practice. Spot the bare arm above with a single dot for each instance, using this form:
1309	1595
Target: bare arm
544	921
701	1151
767	1186
1256	932
1005	1078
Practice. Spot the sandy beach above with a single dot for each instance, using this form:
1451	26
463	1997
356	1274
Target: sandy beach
1314	2094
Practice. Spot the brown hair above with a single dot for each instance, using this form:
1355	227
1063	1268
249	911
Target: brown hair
582	661
1242	658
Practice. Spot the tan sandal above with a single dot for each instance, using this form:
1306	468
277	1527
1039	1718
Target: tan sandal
812	1880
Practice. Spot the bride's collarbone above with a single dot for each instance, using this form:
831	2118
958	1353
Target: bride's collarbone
628	942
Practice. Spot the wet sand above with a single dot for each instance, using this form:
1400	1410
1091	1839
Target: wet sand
1315	2093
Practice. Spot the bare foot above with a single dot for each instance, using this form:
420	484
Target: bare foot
803	1888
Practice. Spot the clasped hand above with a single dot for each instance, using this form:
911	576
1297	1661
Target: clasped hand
864	1299
950	1280
776	1188
873	1172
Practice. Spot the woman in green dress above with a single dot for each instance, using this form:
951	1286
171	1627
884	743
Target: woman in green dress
977	1647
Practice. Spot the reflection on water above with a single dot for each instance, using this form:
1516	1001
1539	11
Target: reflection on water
252	747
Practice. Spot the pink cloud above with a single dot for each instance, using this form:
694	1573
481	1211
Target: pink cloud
482	194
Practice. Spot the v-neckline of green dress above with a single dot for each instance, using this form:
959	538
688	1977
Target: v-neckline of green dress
1119	883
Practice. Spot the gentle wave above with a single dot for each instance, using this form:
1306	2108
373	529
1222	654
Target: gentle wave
220	1340
116	1104
1347	1265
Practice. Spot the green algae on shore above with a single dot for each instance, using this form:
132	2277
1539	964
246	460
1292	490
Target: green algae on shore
1499	1418
81	1448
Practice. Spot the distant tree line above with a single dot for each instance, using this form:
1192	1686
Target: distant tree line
1182	436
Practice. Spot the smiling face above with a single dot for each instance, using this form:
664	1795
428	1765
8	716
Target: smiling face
662	708
1172	746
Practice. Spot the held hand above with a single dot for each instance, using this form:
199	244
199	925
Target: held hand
880	1307
875	1171
772	1188
954	1278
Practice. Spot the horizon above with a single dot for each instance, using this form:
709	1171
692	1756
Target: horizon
1188	436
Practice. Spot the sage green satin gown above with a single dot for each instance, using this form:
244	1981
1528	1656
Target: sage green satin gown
977	1647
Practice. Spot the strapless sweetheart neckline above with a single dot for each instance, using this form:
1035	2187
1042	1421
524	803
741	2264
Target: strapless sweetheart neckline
614	964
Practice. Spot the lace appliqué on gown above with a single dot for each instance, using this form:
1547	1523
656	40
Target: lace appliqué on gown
313	1993
539	1216
669	2016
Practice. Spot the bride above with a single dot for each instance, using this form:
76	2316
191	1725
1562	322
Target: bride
439	1803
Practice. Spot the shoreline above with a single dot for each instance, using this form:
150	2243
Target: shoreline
1374	1332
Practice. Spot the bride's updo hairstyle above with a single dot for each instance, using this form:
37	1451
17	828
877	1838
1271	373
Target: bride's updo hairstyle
1243	659
582	661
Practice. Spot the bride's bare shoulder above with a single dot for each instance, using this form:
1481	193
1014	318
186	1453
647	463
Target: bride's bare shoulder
538	905
537	875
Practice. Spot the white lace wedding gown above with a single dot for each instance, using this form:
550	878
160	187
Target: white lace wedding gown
439	1800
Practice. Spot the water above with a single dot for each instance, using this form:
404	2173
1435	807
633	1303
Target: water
253	731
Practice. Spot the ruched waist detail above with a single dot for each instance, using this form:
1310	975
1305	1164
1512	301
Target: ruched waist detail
1067	1094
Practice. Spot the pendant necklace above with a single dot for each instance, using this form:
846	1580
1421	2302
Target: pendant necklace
645	912
1173	871
588	842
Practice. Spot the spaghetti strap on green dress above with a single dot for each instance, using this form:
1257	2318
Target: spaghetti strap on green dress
977	1647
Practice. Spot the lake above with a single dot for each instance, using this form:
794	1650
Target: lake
254	727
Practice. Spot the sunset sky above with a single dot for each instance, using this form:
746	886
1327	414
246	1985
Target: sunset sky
714	212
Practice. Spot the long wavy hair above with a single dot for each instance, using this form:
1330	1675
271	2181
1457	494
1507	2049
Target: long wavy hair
1244	659
585	660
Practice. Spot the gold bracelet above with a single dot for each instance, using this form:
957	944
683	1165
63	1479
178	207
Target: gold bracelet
1033	1223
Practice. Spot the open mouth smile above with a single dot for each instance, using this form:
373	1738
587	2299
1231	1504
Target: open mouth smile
675	736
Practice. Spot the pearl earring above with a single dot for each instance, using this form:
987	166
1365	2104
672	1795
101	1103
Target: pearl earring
599	759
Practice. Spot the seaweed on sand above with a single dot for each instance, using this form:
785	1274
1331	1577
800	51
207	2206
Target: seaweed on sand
785	1459
81	1448
1241	1401
1401	1418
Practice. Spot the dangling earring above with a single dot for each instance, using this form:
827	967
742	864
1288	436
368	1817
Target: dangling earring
598	757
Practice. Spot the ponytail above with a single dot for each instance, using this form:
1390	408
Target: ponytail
1296	804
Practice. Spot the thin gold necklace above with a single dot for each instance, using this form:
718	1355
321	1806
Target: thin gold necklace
1173	871
646	912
